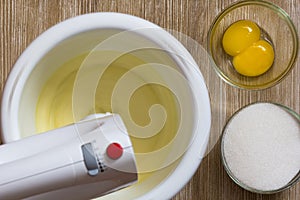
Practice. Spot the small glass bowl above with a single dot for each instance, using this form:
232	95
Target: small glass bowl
292	182
274	22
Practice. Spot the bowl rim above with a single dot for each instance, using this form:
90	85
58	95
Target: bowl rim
49	39
291	26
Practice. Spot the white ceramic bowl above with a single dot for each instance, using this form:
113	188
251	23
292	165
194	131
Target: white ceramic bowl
81	34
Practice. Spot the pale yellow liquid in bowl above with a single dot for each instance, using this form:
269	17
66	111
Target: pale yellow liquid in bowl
55	107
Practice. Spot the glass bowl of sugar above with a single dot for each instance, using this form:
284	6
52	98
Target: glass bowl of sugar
260	147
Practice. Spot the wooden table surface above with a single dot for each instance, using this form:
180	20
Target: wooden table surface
21	21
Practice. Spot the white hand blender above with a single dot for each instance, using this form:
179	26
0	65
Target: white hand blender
91	151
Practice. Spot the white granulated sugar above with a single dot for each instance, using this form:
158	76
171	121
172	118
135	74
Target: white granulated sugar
262	146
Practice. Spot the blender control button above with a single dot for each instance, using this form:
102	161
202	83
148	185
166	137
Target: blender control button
90	159
114	151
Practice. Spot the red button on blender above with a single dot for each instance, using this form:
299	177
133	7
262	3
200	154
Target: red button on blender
114	151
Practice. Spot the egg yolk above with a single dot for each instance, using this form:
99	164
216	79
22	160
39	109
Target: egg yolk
255	60
239	36
252	56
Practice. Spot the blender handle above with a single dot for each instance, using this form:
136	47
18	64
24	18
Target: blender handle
91	152
42	172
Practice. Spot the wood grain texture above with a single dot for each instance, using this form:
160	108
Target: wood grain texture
21	21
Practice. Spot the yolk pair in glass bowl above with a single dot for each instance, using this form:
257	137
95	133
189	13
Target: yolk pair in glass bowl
252	54
271	27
